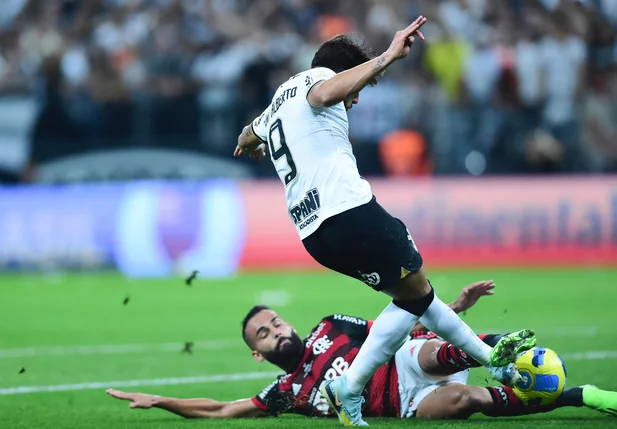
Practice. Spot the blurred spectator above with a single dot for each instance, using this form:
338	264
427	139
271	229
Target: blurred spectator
55	134
114	113
530	72
482	75
564	54
446	56
190	73
174	103
600	122
405	153
13	76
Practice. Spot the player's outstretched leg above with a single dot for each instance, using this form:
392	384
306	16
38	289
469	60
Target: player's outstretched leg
443	358
600	400
506	403
458	401
388	333
440	319
414	299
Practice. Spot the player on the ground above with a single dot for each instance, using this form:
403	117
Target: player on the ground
424	364
339	220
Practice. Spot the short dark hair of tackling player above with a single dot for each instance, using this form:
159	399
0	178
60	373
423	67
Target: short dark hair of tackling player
342	53
252	312
272	339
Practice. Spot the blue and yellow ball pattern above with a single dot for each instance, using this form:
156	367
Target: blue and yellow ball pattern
543	376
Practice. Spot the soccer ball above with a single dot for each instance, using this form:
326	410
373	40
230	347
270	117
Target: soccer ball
543	376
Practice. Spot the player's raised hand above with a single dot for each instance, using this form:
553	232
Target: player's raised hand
404	39
138	400
472	293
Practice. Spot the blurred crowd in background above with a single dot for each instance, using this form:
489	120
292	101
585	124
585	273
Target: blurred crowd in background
498	87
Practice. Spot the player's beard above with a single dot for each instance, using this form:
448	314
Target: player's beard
287	355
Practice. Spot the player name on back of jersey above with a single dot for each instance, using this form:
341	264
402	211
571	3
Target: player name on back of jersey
303	213
286	95
276	104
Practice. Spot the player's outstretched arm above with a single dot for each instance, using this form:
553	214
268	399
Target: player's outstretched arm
336	89
190	408
248	142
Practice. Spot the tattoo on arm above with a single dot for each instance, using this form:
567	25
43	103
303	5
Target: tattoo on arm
248	140
248	131
379	64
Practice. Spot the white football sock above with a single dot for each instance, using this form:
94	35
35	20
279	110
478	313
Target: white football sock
442	320
387	335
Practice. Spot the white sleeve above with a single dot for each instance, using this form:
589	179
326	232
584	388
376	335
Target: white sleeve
259	125
316	75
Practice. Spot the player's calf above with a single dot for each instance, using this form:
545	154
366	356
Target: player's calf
505	403
457	401
453	401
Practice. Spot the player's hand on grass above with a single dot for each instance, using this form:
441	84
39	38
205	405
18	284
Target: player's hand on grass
256	154
404	39
472	293
138	400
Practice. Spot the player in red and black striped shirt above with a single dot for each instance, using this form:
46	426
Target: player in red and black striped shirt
400	388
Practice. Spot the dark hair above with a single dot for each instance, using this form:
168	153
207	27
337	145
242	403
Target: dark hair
342	53
252	312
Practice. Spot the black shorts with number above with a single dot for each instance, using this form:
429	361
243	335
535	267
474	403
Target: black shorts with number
366	243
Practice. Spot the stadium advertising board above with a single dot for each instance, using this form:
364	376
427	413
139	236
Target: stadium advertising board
219	227
144	229
465	222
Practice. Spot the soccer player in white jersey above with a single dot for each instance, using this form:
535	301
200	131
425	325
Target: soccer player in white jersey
340	222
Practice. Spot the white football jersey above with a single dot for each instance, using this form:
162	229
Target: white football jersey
311	152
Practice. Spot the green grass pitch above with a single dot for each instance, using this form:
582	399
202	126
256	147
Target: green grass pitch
75	329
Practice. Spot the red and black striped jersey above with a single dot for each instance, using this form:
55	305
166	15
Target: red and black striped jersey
329	350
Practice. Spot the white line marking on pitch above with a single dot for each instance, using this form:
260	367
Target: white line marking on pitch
114	349
134	383
591	355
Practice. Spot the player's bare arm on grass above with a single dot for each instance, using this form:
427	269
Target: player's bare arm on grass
336	89
190	408
466	299
248	142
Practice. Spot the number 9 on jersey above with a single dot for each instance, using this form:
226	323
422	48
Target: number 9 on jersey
277	135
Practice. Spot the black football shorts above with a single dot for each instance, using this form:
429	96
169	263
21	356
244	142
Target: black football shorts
366	243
